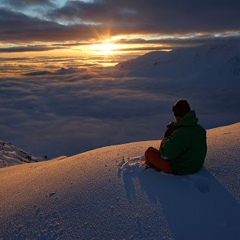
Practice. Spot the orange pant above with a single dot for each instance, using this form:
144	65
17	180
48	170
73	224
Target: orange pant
153	156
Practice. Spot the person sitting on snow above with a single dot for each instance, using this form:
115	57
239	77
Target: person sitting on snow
184	147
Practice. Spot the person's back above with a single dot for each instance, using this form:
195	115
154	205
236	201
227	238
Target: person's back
186	147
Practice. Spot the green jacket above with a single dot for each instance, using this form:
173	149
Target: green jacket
186	147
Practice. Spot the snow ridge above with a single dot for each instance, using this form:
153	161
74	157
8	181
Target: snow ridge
11	155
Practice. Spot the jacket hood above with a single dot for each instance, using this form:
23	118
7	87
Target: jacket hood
190	119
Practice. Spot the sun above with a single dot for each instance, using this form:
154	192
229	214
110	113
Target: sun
105	48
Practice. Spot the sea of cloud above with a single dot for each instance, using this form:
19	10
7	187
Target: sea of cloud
72	110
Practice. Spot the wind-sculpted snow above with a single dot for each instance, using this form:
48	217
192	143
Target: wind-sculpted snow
107	194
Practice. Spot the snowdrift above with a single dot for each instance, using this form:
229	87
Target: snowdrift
107	194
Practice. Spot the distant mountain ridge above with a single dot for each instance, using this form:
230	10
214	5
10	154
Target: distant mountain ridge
11	155
184	62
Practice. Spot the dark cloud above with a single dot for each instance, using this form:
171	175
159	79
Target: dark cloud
17	27
27	49
175	42
80	21
26	3
155	16
39	48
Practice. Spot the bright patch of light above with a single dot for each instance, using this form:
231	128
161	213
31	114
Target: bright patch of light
87	1
60	3
105	48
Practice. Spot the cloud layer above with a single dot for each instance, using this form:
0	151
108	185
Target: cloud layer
87	109
71	110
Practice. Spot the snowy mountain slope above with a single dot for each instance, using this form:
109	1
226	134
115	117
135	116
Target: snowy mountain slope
208	76
107	194
182	62
222	81
11	155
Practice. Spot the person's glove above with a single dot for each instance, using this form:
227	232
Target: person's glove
170	130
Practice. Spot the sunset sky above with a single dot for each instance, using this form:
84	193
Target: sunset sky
61	88
101	27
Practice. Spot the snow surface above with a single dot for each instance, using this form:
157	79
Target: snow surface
107	194
11	155
184	62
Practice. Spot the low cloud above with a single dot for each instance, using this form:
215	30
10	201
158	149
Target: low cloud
27	49
69	110
89	111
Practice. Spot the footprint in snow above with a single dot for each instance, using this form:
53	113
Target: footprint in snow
131	165
136	161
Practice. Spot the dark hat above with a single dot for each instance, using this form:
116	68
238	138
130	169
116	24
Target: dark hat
180	108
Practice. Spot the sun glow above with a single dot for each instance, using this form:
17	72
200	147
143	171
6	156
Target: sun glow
105	48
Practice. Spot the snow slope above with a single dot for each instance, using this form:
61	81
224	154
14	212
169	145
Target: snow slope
11	155
107	194
185	62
